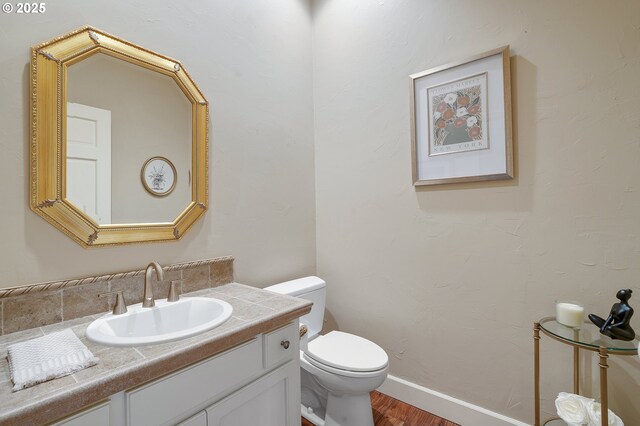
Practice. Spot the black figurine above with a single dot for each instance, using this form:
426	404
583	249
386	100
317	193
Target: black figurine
617	324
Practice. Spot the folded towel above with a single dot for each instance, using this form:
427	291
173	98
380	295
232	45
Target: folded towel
48	357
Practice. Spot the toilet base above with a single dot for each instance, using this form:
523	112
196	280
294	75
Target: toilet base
343	410
330	399
348	410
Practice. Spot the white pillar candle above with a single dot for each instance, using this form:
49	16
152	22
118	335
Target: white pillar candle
570	314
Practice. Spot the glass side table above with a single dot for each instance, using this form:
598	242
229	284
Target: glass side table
589	338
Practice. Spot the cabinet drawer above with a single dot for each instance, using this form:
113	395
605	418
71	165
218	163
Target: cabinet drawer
276	349
171	398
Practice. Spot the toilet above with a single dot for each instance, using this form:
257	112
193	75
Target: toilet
337	370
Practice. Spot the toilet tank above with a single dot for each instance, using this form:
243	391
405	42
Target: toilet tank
309	288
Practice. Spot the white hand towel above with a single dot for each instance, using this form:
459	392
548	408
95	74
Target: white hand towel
47	357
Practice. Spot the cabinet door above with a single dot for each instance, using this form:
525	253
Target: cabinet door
273	400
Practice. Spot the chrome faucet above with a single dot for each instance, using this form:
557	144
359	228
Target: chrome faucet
147	297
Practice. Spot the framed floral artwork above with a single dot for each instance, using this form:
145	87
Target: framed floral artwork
461	121
158	176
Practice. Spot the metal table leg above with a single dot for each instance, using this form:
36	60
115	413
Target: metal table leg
536	372
604	399
576	365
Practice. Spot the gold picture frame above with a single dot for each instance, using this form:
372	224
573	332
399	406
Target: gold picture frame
455	148
48	71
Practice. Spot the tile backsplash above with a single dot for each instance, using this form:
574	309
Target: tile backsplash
41	304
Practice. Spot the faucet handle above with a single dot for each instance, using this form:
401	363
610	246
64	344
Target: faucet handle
120	307
173	295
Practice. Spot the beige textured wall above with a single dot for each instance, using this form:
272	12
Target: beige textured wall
150	117
450	279
252	61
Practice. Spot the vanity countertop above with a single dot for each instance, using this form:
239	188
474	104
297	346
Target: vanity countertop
255	311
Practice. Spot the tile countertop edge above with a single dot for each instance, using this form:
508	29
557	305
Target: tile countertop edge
59	405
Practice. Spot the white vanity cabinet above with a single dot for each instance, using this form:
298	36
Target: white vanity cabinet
257	383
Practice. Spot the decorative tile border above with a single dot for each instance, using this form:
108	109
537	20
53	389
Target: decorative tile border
54	285
51	302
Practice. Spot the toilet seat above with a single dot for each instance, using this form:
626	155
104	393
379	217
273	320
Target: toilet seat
306	359
347	355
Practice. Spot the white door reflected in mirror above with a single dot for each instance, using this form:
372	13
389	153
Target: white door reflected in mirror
89	160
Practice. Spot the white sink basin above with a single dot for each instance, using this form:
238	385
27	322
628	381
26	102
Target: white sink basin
165	322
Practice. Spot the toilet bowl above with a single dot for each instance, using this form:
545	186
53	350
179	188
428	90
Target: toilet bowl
338	370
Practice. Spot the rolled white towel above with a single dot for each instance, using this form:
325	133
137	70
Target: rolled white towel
48	357
595	415
572	409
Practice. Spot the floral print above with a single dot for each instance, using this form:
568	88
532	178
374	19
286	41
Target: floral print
458	116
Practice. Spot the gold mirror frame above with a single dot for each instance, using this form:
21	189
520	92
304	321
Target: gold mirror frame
48	104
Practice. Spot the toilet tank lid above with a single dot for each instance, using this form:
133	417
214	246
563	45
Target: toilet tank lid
298	287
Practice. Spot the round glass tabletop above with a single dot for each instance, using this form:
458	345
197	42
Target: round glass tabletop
588	337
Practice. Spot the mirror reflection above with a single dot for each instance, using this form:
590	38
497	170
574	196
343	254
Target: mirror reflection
128	142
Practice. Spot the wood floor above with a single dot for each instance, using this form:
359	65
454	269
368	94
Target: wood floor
388	411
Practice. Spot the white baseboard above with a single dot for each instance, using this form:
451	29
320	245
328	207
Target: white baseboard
444	406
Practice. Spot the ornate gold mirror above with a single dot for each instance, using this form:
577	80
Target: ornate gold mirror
118	141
